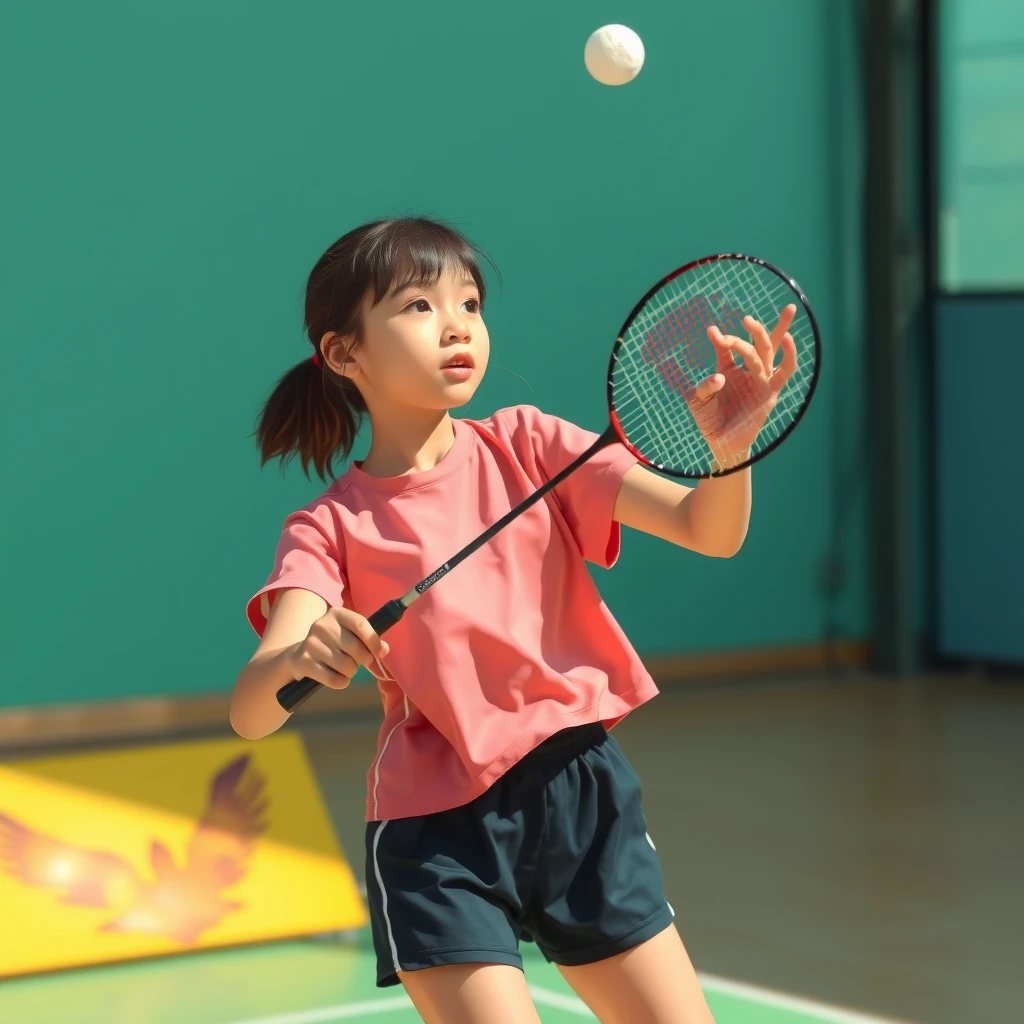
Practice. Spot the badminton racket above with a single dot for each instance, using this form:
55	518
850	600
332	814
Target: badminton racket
679	374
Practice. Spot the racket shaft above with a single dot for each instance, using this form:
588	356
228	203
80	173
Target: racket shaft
509	516
293	694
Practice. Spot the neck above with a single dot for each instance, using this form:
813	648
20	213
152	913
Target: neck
408	441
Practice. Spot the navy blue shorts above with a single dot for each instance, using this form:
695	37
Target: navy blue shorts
556	852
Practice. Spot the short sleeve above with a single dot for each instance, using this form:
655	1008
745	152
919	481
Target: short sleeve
307	558
587	498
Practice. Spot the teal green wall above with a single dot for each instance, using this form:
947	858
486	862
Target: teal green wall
173	170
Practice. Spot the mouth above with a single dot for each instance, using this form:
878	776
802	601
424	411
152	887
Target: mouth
459	368
464	361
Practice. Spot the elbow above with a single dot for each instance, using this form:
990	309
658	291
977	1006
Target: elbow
241	723
724	548
711	536
723	552
254	713
714	549
731	550
240	727
245	730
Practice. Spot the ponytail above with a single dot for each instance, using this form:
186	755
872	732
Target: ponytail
311	413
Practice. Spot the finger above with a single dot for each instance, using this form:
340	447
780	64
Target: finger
378	671
354	648
321	672
788	365
762	342
364	655
377	646
723	357
786	318
746	352
709	386
328	677
341	662
325	654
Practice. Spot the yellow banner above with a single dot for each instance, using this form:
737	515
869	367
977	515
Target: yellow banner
122	854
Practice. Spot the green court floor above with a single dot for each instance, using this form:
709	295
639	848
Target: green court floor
307	982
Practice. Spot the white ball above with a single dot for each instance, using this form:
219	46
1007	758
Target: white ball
614	55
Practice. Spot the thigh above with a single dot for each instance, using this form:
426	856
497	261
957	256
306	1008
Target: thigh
653	983
470	994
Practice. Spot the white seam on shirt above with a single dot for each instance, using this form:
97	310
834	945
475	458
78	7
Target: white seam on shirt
384	899
380	756
387	675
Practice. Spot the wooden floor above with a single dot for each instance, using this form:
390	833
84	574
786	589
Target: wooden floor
856	841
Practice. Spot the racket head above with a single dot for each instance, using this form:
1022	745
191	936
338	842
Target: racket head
663	351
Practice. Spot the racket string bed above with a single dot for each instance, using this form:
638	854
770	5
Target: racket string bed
665	353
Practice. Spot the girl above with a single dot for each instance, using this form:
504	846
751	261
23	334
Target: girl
498	806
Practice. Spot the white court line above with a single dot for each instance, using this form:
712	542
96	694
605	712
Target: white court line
561	1001
366	1008
783	1001
371	1007
571	1004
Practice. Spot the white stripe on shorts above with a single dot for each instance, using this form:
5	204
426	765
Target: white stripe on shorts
384	899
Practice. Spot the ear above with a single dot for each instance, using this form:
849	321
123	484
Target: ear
337	352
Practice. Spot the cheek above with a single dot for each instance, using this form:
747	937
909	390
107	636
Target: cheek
409	371
395	362
482	350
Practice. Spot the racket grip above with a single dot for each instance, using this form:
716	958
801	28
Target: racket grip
386	616
297	692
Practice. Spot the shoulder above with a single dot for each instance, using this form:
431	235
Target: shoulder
537	438
324	515
522	428
520	420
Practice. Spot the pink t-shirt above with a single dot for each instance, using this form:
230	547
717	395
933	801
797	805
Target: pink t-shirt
510	647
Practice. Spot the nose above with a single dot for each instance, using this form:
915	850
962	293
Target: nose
457	329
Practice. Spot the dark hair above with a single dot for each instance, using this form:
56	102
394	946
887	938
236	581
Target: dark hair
312	412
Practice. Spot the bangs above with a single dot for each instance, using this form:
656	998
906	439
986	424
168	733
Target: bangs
400	254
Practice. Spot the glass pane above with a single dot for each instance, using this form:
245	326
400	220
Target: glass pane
981	130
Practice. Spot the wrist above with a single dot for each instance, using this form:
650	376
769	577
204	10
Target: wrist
725	459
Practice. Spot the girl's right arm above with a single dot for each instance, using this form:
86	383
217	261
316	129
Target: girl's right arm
303	639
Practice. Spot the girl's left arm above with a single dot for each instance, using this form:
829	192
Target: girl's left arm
710	518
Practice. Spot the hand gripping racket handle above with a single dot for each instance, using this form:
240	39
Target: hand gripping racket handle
291	695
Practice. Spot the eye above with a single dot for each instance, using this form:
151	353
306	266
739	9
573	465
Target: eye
418	306
472	305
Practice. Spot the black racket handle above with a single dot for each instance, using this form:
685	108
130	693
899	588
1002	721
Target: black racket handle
293	694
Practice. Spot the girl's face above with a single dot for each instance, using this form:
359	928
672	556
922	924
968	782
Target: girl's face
424	347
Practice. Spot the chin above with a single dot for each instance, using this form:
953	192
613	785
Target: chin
456	395
458	401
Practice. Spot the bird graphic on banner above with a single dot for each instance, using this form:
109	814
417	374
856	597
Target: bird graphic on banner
179	902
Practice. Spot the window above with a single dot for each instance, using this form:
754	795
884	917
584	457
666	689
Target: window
981	145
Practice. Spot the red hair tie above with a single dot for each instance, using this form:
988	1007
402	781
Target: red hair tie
316	359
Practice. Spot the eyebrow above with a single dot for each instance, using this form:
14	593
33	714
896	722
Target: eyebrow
466	282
